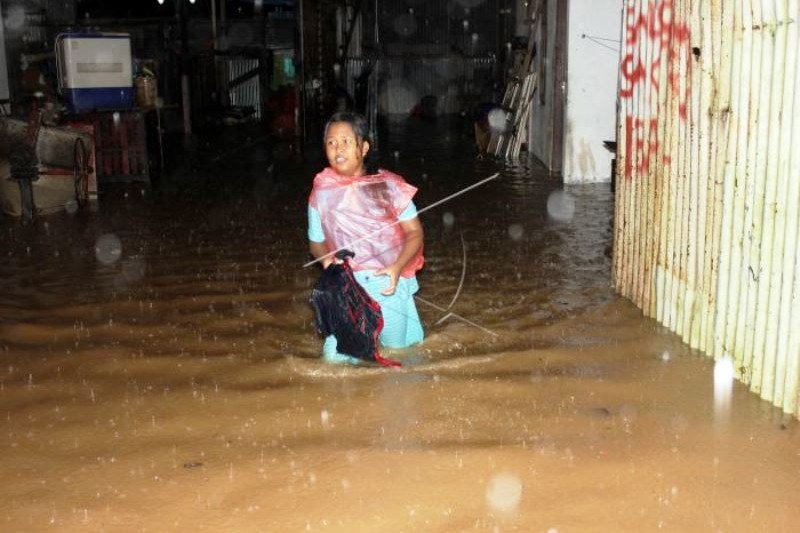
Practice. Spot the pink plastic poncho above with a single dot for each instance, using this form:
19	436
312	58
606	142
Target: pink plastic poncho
351	208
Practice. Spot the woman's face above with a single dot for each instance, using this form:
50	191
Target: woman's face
344	150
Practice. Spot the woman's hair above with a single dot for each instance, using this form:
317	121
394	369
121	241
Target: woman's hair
356	121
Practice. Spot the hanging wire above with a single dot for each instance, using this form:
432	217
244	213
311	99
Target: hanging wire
600	41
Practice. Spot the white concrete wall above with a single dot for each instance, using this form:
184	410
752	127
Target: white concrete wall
4	91
593	32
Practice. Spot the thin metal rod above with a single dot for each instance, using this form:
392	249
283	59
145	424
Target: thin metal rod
454	315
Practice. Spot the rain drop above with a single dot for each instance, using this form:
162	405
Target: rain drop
108	249
448	219
561	206
504	492
15	18
515	231
723	385
497	119
679	423
628	413
133	269
325	418
405	25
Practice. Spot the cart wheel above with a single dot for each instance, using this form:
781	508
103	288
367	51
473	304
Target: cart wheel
81	173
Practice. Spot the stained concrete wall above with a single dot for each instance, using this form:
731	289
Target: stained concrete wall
593	33
540	142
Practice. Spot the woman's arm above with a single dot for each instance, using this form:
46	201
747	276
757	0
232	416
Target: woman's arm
318	250
412	243
316	238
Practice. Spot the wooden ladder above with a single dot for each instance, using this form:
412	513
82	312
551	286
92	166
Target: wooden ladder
507	141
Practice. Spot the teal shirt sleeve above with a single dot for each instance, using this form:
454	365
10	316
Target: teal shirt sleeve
409	212
315	233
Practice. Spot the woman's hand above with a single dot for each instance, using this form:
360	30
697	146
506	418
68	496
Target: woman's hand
393	272
319	251
412	231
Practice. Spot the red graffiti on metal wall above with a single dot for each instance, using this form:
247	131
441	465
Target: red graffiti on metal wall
666	39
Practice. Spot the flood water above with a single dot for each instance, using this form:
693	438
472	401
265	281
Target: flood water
160	370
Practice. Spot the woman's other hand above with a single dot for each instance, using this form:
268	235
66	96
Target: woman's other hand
393	272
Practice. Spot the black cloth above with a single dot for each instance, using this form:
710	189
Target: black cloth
343	308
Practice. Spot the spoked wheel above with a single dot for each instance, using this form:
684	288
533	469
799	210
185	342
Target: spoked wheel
81	173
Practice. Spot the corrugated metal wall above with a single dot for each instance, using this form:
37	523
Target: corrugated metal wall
708	183
248	93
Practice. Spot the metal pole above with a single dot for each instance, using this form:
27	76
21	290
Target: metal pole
374	85
214	48
185	89
377	27
301	29
223	22
214	24
222	47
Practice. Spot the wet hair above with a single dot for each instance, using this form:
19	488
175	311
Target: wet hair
355	120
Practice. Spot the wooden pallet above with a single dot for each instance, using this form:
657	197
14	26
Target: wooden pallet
120	146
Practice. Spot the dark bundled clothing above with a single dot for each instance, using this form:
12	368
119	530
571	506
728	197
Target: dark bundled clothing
344	309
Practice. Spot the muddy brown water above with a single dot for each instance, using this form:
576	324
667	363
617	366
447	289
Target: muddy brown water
160	372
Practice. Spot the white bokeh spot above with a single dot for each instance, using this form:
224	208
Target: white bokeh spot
515	231
561	206
503	493
448	219
108	249
497	119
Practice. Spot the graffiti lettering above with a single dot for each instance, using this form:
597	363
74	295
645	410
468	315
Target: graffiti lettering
641	146
650	25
